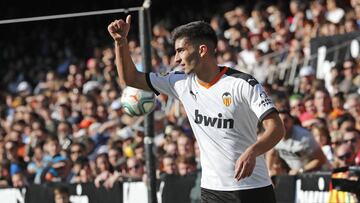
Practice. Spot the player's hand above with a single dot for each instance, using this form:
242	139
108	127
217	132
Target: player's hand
119	29
245	165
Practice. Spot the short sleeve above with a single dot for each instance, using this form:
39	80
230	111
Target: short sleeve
259	101
164	83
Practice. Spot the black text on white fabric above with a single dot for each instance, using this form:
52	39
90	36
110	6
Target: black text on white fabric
213	122
265	102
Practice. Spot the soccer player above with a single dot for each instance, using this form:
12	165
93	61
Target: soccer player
224	107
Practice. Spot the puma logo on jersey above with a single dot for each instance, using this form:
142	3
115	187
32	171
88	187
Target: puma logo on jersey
213	122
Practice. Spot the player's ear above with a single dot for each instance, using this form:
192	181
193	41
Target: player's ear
203	49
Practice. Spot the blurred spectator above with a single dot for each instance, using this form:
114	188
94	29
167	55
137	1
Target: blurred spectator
334	13
296	105
307	76
344	156
116	159
352	105
351	138
139	151
298	148
103	168
56	166
247	55
64	133
322	102
93	71
349	71
297	9
217	23
61	195
18	180
17	164
322	137
185	146
135	168
171	148
36	164
161	41
309	104
168	166
81	171
338	101
103	164
186	165
77	149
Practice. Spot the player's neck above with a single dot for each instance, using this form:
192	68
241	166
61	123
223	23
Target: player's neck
207	72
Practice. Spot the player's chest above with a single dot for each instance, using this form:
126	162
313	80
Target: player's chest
214	100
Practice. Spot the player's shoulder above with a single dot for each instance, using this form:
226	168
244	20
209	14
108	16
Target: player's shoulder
241	76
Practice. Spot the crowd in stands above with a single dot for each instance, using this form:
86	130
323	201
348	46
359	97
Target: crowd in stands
64	123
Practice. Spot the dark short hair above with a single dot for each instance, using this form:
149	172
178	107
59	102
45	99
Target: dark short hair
198	31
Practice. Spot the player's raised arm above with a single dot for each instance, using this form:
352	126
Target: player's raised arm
128	74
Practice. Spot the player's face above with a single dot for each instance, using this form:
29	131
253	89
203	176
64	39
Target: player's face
187	56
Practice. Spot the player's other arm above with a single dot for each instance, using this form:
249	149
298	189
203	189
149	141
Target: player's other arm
274	132
127	72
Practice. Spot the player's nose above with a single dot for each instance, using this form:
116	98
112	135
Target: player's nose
177	58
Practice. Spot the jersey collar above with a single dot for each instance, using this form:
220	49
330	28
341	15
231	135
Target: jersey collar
217	78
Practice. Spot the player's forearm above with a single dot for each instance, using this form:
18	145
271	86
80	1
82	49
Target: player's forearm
274	132
267	142
125	66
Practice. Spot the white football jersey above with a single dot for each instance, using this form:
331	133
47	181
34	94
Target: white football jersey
224	117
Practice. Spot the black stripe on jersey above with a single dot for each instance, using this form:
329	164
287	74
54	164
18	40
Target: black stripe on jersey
238	74
269	111
148	81
179	72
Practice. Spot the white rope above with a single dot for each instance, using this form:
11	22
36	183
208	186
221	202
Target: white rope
69	15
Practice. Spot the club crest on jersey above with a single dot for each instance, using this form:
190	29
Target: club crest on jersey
227	99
